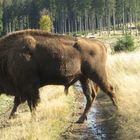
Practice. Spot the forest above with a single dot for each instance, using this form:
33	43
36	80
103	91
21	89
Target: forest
69	15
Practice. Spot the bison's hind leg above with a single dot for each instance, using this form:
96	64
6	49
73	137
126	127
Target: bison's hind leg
90	94
101	80
108	89
110	93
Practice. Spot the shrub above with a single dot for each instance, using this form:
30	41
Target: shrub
124	44
138	25
45	23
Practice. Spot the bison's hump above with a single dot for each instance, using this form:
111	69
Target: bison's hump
29	42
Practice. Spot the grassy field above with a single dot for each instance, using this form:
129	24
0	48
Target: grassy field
51	119
124	74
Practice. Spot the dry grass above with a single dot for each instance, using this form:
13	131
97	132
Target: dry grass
124	73
51	118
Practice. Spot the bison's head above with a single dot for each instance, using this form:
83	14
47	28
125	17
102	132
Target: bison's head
93	56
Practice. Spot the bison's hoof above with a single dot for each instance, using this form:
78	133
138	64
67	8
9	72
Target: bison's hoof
12	116
81	119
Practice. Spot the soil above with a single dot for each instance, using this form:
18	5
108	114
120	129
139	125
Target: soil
100	125
77	131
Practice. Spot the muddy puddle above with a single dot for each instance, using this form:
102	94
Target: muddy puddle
104	123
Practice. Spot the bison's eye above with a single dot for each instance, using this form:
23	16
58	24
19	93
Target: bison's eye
91	53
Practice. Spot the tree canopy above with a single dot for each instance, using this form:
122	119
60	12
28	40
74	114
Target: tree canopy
69	15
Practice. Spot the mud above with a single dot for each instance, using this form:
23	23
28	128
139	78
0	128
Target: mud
102	122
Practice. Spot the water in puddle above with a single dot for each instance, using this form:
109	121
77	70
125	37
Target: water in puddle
102	123
105	122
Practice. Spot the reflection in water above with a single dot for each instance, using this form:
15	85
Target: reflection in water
102	121
92	123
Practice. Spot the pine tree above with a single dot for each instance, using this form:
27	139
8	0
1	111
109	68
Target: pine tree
45	23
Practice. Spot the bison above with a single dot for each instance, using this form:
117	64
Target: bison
31	59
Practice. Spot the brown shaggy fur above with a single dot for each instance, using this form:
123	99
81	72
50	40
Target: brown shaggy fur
31	59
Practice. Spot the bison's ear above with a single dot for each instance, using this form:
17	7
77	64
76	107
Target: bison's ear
77	46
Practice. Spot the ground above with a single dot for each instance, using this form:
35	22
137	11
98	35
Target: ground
101	122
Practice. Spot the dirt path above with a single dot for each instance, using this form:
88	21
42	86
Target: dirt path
77	131
101	123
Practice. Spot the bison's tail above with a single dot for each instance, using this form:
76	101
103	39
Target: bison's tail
66	90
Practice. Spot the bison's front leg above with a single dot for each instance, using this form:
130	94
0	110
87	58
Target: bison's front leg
17	102
90	93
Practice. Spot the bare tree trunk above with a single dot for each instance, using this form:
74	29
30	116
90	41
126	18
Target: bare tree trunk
114	21
100	26
75	25
108	23
65	28
8	27
80	24
85	20
69	25
93	23
12	25
123	21
130	21
136	19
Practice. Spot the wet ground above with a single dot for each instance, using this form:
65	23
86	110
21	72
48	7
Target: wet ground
102	122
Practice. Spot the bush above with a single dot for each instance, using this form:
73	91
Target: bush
45	23
124	44
138	25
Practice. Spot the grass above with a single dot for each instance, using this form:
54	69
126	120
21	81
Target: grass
51	119
124	74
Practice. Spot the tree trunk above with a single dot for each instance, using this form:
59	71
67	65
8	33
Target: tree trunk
123	21
114	21
80	24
